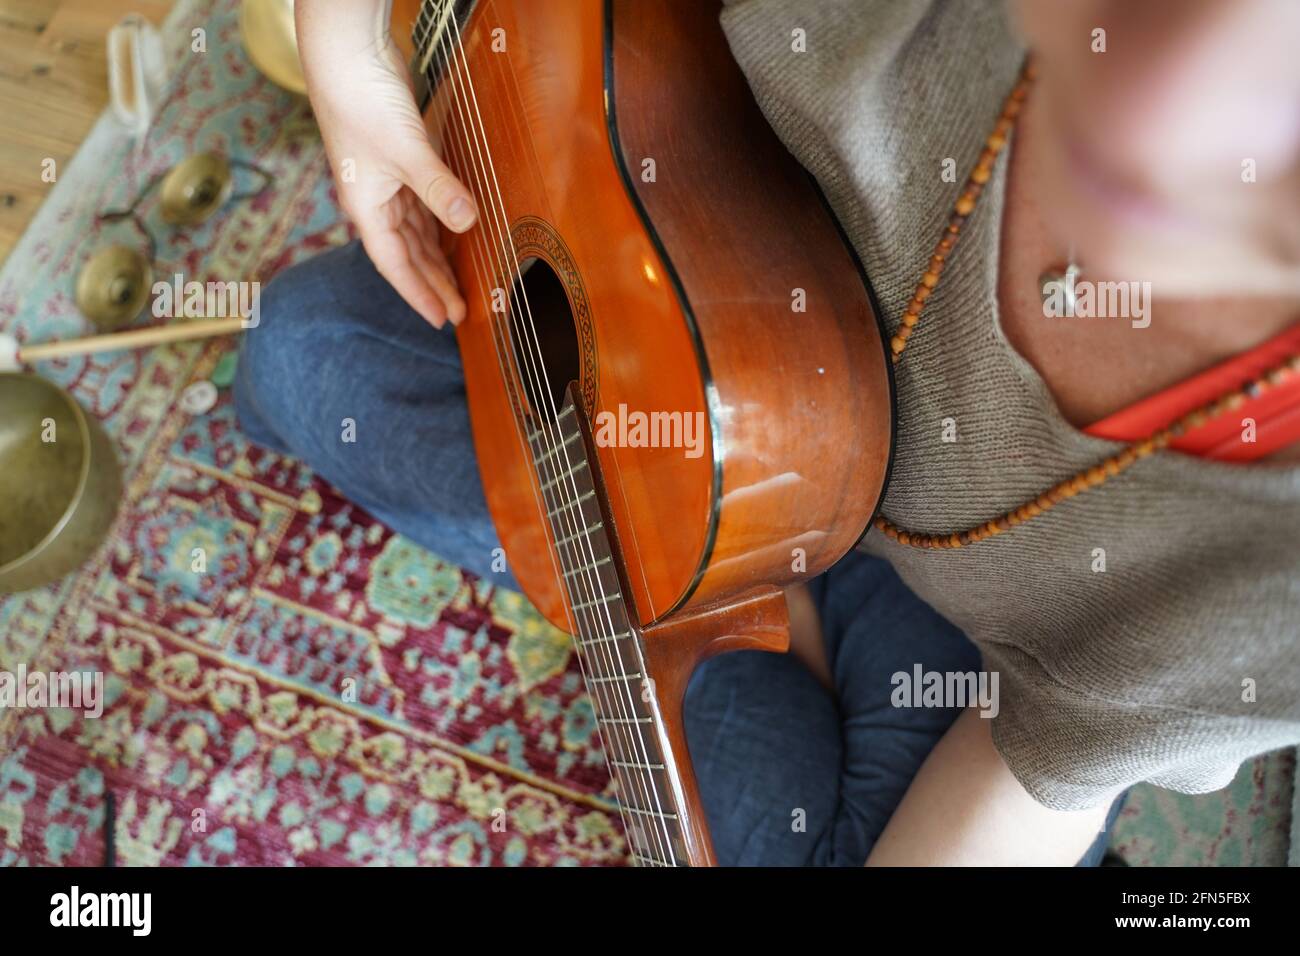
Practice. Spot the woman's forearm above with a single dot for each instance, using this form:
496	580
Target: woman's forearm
964	808
330	28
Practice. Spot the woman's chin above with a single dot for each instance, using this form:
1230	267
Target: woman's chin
1182	269
1179	262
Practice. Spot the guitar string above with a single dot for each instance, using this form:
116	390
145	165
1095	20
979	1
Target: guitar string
461	81
480	254
477	246
480	271
547	395
609	731
425	56
614	773
589	578
421	39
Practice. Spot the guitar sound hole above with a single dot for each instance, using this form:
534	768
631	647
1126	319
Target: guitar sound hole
544	336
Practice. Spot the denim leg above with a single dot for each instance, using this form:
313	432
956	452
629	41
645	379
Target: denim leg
764	737
338	355
1093	855
874	627
767	739
788	776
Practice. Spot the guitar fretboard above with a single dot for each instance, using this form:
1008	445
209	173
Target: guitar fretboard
609	648
437	29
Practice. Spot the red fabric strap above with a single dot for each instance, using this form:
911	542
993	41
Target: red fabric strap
1275	412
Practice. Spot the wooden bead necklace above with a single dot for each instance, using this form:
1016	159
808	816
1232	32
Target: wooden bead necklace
1089	477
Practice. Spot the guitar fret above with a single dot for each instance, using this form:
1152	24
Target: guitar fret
578	534
569	504
634	765
589	567
559	448
614	679
657	814
600	600
568	474
610	639
636	755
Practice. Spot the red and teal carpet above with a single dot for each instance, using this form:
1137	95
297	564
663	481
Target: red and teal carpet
328	692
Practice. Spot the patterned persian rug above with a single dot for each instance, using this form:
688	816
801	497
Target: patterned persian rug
1248	823
226	737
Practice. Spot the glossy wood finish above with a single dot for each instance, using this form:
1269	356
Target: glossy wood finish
671	651
541	104
804	400
683	288
665	672
667	654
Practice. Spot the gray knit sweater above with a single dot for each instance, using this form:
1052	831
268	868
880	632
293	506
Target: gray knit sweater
1182	657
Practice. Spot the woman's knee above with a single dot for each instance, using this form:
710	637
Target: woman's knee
281	357
764	738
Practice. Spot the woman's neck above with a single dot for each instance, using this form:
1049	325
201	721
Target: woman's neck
1099	365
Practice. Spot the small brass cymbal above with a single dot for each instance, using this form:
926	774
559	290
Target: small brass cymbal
195	188
113	287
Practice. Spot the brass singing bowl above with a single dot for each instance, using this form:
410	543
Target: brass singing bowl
57	497
267	29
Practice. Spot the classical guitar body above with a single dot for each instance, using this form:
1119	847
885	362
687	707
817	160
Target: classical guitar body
680	395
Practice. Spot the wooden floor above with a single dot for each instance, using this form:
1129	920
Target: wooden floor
53	86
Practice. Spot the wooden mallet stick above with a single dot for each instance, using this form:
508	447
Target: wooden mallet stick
13	356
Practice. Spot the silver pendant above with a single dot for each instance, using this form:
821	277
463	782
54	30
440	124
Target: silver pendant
1058	284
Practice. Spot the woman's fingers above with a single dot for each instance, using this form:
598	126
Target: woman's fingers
444	286
436	185
391	250
434	262
404	248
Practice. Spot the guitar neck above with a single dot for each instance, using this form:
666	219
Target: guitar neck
437	28
664	827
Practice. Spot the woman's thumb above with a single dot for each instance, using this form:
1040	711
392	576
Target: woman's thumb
437	186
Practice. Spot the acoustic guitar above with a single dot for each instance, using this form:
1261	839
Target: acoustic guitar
678	385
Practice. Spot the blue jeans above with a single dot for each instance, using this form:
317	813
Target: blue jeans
790	772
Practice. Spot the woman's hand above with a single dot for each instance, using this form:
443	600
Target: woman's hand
391	180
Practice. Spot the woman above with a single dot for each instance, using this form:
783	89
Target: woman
1138	604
